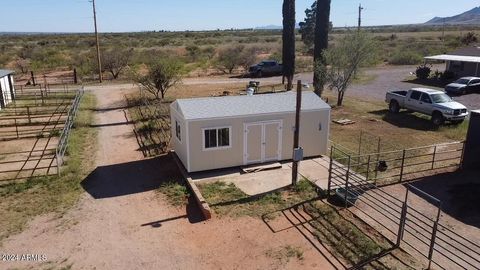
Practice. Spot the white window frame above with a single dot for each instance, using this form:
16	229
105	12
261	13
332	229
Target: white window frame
218	147
177	125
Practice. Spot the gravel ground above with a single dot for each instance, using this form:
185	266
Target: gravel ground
393	78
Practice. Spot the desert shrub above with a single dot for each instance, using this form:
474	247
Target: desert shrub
230	58
404	57
4	59
209	52
193	52
423	72
469	38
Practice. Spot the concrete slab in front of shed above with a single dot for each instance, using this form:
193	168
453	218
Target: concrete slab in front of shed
316	170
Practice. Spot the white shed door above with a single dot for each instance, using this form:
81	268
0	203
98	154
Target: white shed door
262	142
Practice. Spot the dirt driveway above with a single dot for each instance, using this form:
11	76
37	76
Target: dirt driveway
121	222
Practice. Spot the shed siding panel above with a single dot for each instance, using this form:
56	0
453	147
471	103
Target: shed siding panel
179	146
312	139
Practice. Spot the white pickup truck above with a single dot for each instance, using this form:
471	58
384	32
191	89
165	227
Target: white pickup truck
430	102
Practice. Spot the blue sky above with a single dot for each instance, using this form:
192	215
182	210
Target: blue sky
141	15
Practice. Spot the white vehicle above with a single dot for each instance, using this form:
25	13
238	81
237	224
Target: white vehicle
430	102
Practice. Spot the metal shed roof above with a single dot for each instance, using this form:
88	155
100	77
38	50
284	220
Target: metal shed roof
459	58
5	72
232	106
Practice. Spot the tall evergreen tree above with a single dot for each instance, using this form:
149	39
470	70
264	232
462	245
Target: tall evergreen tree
322	26
307	27
288	52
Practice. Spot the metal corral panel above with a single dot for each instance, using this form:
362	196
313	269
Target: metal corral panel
471	158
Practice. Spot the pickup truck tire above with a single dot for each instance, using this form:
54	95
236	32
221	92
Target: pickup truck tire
394	107
437	118
259	74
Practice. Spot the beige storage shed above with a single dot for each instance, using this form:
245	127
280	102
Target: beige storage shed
222	132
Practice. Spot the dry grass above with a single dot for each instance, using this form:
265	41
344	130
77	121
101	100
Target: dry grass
396	131
228	200
285	253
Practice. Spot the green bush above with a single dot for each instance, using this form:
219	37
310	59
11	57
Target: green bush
403	57
423	72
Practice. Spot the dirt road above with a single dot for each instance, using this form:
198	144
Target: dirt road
121	222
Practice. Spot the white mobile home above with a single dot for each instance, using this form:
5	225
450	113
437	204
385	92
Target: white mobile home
221	132
7	90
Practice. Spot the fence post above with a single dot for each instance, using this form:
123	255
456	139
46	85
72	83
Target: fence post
462	155
42	96
16	127
401	226
33	78
28	115
330	170
378	156
432	240
401	167
368	166
403	219
75	80
434	154
346	181
58	163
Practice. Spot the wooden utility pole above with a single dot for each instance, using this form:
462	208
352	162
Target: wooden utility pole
360	8
443	34
97	43
296	136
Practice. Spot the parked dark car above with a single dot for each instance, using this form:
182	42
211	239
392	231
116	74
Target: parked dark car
266	68
463	86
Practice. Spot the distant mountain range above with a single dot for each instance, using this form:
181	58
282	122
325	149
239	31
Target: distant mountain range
273	27
470	17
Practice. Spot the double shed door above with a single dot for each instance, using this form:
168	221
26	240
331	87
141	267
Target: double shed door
262	142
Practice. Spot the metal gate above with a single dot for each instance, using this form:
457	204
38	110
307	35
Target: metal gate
400	220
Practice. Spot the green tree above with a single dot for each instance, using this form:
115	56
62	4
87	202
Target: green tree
288	37
307	27
162	75
116	60
352	51
322	27
229	58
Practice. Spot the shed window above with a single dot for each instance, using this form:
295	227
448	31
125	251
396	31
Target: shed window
217	138
178	131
